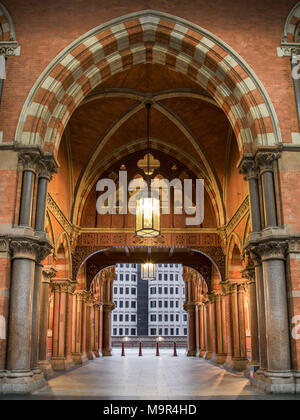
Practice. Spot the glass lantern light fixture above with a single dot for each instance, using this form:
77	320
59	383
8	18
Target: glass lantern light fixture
148	208
148	271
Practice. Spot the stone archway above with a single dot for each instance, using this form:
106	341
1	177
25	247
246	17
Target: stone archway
147	37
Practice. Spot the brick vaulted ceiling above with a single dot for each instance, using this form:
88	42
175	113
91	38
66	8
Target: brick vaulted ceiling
183	116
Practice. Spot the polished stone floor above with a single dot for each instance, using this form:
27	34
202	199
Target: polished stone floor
149	378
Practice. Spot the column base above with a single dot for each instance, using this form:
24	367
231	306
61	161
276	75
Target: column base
275	382
90	355
96	353
220	359
191	353
79	358
238	364
297	381
21	382
202	353
106	352
61	363
46	368
208	355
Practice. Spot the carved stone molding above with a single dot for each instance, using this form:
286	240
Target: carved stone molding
9	48
24	248
63	286
242	211
54	208
4	245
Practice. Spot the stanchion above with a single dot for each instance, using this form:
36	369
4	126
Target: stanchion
123	350
175	350
157	349
140	349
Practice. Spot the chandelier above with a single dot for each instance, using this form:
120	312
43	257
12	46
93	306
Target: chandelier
148	208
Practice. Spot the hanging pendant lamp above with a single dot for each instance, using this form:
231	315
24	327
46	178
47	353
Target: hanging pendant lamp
148	208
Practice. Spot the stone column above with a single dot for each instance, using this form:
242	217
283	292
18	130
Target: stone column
47	166
190	308
208	349
62	324
212	326
236	336
261	315
221	352
20	377
44	364
278	376
100	328
90	329
85	299
228	324
108	307
201	329
96	332
78	352
249	273
249	168
265	161
197	329
29	160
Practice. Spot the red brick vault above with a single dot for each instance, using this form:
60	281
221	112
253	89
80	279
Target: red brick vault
219	112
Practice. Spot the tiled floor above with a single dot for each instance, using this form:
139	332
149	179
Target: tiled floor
148	377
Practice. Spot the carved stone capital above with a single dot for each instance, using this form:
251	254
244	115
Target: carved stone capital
24	249
264	160
249	274
30	160
108	307
43	251
62	286
189	306
47	167
242	288
272	250
229	287
48	274
248	167
294	246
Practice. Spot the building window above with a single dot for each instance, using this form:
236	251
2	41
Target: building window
185	331
133	290
133	304
160	290
120	331
177	318
121	304
133	318
115	317
160	331
152	290
121	277
126	331
132	331
121	291
171	277
166	305
171	331
160	318
133	277
166	331
165	277
153	331
171	290
171	304
176	290
116	303
115	290
115	331
160	303
160	276
121	318
176	277
165	290
127	277
153	304
166	318
153	318
184	317
172	318
126	320
127	304
177	331
177	304
127	291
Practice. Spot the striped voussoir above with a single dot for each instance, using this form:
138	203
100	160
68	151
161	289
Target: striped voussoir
292	25
4	27
150	37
